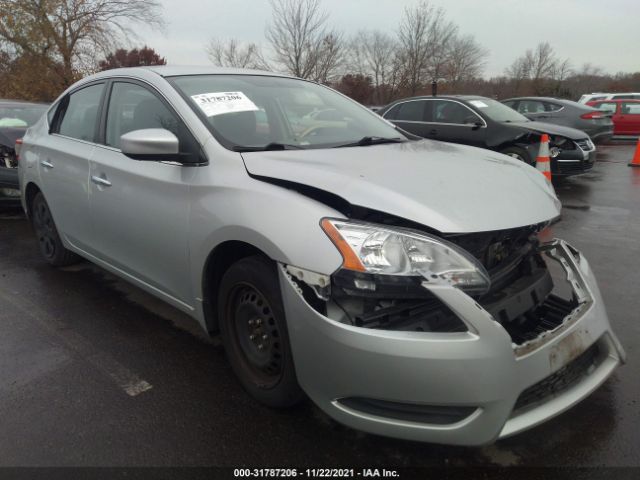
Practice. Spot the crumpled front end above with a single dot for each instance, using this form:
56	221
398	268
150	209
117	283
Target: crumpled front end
432	363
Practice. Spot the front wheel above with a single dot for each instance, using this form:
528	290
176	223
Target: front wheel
254	332
518	153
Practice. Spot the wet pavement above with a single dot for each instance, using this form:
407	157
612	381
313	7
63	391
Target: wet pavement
96	372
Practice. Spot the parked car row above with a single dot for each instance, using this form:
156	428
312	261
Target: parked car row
625	115
487	123
400	283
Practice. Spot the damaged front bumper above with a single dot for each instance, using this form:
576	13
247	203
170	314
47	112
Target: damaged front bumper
467	387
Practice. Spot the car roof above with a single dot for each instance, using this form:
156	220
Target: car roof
544	99
444	97
616	100
176	70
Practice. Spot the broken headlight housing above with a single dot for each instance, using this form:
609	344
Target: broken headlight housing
380	250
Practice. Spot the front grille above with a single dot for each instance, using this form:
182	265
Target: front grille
573	167
544	318
561	380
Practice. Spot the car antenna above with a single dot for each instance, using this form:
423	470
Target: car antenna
434	88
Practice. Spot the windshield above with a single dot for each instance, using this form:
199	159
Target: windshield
253	112
20	116
496	111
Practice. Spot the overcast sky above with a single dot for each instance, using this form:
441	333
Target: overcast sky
606	34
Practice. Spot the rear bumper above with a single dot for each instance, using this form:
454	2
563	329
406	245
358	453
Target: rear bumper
601	136
479	372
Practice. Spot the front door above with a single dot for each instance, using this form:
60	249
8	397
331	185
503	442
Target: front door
452	121
140	209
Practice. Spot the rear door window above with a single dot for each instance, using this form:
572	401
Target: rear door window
531	106
80	113
629	108
412	111
607	107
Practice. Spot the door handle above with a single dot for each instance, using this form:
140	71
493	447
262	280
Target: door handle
100	181
46	164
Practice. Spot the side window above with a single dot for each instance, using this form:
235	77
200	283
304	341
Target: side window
607	107
52	113
412	111
552	107
510	104
393	113
445	111
631	108
80	113
133	107
530	106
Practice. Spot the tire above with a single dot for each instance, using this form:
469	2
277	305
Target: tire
254	332
518	153
49	242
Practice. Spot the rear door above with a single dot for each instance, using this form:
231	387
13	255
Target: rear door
63	167
629	118
140	209
409	116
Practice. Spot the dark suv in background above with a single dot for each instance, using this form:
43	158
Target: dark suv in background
486	123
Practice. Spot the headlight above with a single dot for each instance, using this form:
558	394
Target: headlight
381	250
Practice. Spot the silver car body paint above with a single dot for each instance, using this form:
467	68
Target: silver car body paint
157	223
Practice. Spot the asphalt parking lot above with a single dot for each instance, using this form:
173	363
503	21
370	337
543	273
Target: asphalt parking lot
95	372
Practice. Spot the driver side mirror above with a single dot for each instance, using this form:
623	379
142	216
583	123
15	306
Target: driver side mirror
151	144
473	122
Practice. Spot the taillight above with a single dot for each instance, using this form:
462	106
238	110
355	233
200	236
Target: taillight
17	148
593	115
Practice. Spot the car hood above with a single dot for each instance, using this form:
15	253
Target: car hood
450	188
551	129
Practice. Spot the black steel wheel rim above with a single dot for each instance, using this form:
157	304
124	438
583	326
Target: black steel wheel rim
255	334
45	229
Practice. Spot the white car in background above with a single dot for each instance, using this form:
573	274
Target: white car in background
594	97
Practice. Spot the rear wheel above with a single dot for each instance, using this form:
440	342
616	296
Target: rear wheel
518	153
254	332
49	242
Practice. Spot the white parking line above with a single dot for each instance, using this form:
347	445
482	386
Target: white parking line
127	380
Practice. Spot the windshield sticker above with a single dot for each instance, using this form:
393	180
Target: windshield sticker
219	103
478	103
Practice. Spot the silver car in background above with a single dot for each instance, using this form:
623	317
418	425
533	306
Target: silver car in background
402	285
593	122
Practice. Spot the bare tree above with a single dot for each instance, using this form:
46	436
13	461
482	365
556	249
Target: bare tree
232	53
424	35
465	61
302	43
373	54
68	31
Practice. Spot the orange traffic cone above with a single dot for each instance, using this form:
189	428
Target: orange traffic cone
636	157
543	162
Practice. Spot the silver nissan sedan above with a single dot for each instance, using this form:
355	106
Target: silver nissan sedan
403	285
